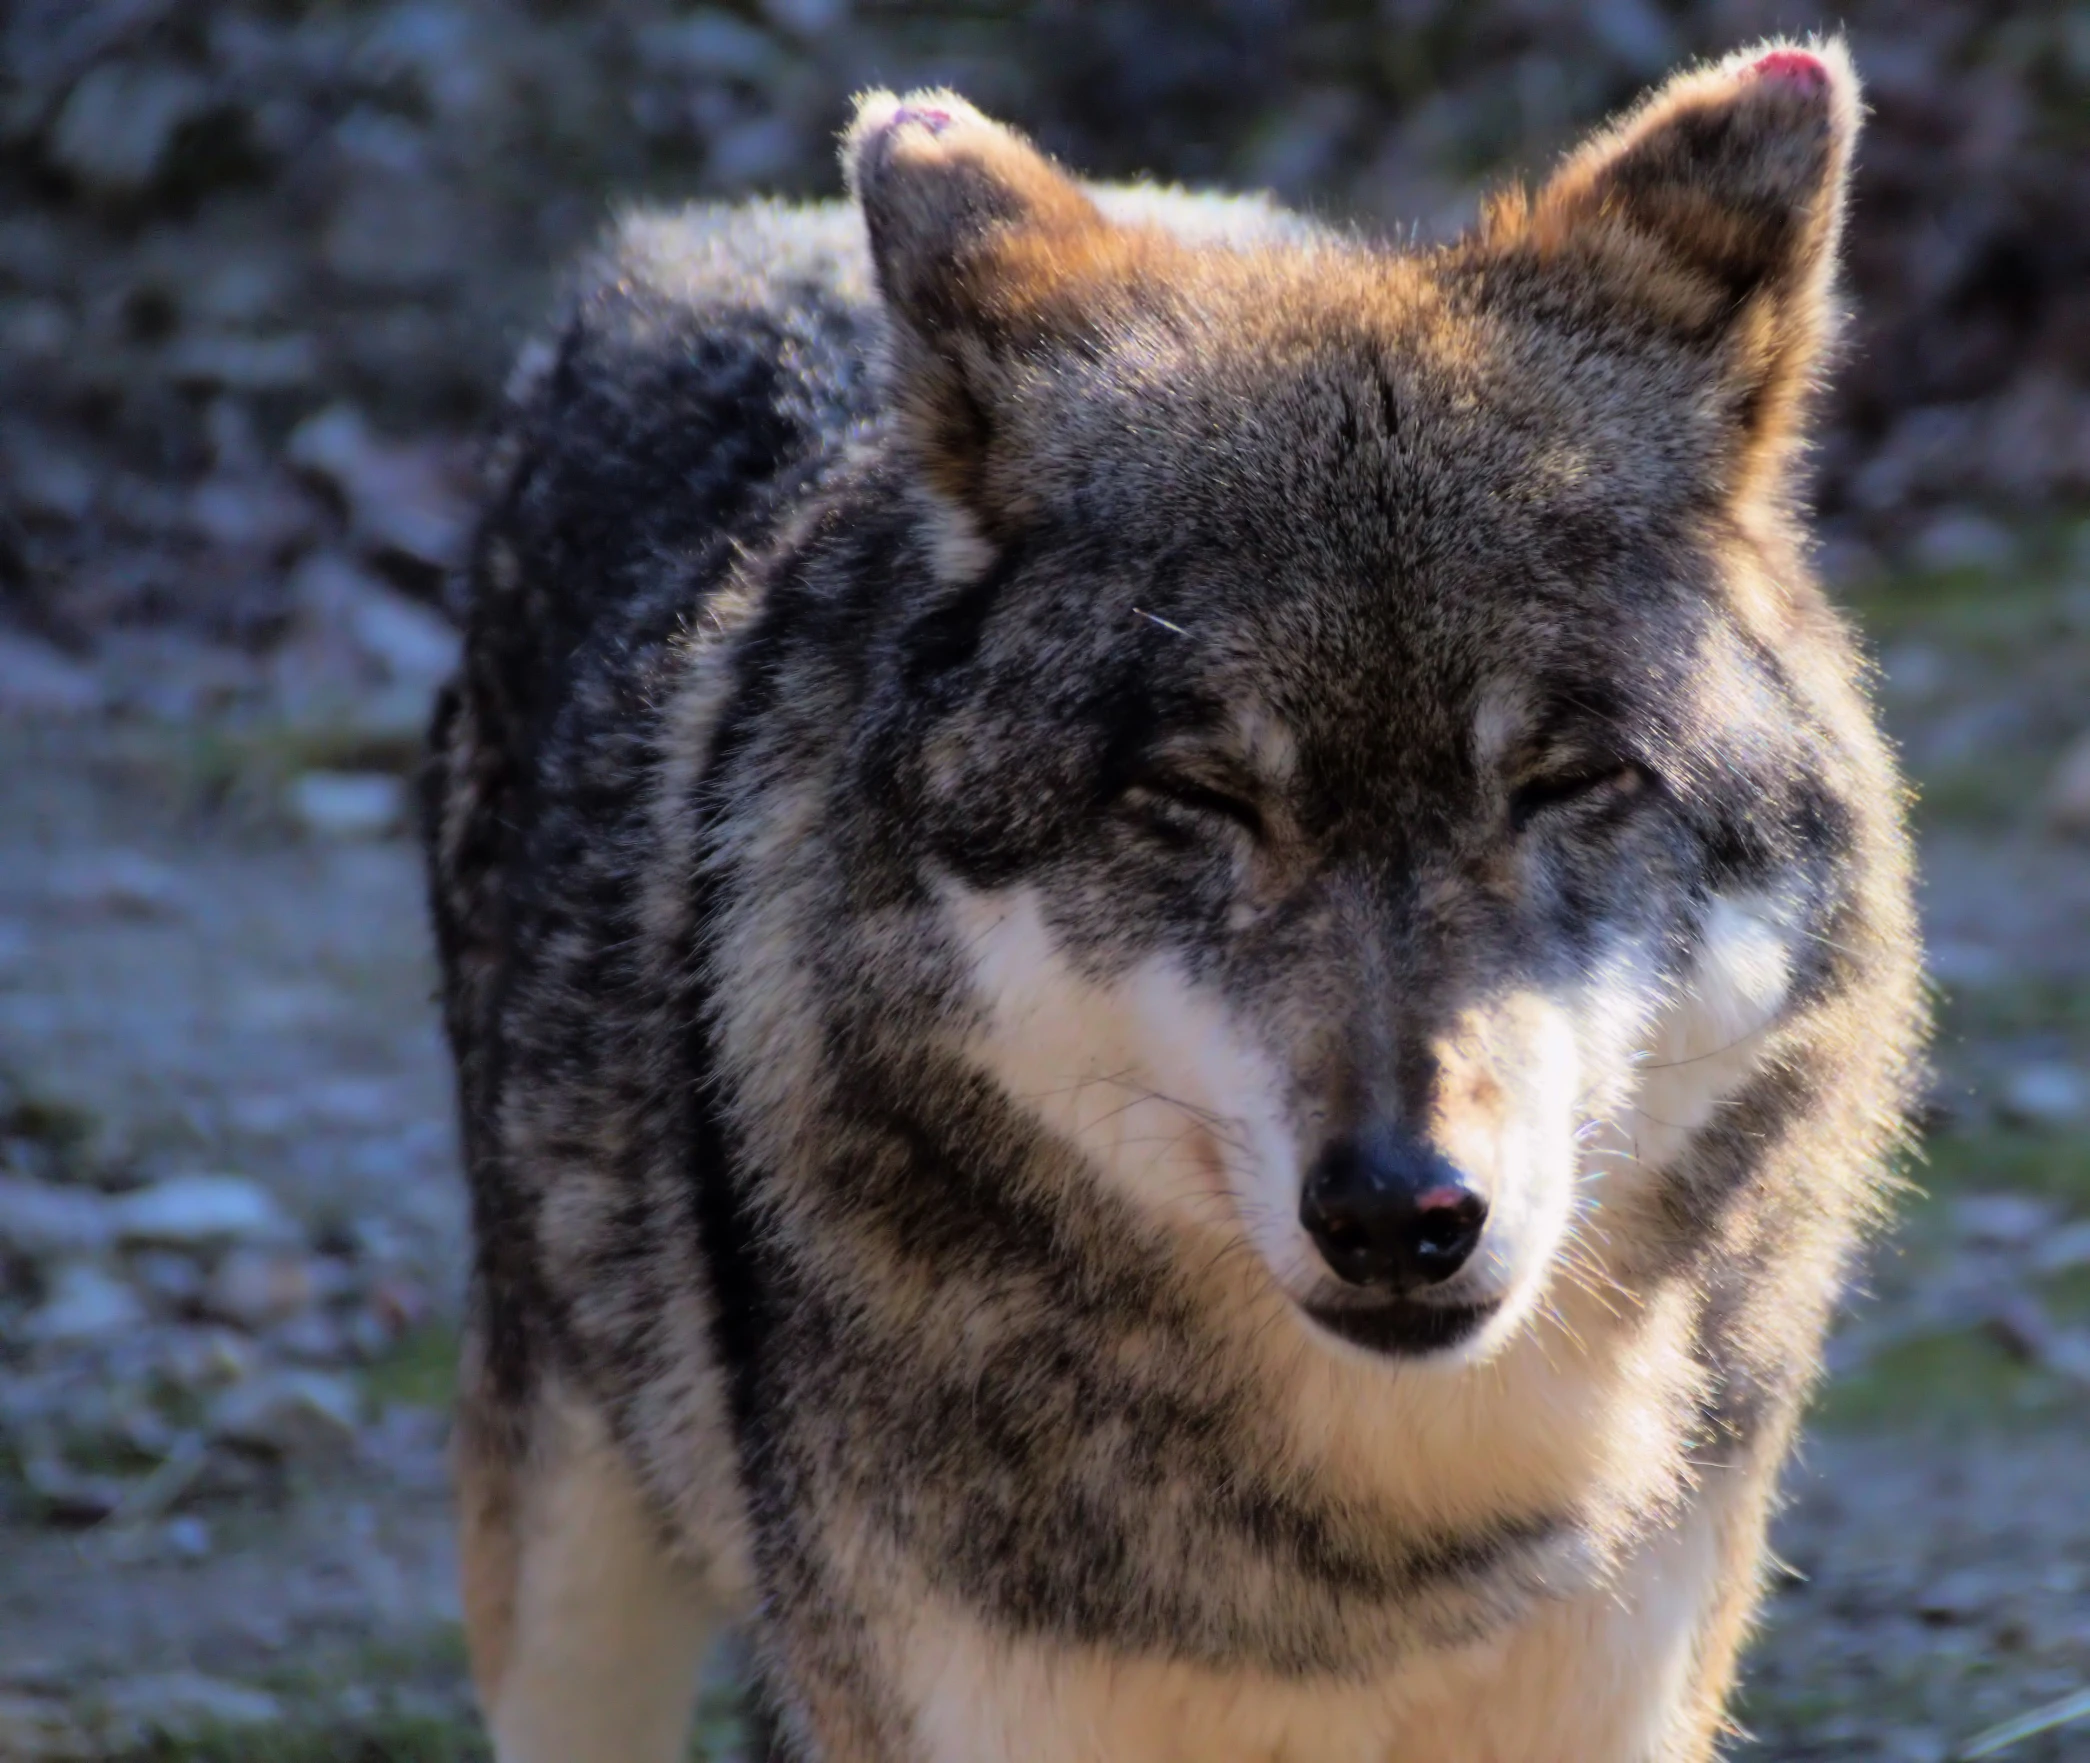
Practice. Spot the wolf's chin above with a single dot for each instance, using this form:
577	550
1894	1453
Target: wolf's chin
1404	1328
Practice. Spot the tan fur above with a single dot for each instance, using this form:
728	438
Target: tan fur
485	1472
585	1633
1607	1675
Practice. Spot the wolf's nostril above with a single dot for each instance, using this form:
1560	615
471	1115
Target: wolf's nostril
1344	1238
1446	1235
1386	1210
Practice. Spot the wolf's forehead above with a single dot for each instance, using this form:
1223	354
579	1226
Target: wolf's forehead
1488	695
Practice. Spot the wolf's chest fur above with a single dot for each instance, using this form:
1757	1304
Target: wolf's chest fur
984	1696
1179	955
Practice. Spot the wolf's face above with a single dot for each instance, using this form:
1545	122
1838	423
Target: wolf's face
1355	756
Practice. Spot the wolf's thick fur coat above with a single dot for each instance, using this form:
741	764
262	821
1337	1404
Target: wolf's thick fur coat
999	721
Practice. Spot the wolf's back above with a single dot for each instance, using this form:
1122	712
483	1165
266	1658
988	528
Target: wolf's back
707	366
709	362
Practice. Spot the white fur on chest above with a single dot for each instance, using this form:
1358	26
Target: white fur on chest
1598	1678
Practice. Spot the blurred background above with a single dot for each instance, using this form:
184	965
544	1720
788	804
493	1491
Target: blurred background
262	268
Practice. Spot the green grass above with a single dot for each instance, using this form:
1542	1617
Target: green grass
1981	795
2032	1005
2010	639
435	1660
429	1671
1995	610
1967	608
69	1135
238	769
420	1370
1944	1380
394	1739
419	1711
1965	1377
63	1125
2009	1159
399	1738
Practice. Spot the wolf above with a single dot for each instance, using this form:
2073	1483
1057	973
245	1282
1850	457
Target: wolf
1180	957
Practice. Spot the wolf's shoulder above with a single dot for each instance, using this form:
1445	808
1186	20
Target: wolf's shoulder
702	369
708	300
698	356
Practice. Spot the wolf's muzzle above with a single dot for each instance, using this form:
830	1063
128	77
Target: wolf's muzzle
1387	1211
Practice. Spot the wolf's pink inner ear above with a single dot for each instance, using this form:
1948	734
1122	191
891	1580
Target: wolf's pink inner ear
1796	65
926	116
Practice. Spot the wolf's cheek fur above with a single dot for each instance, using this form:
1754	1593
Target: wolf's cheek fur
1716	1032
1142	1071
1723	1026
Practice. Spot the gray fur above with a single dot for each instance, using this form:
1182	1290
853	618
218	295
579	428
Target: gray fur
739	712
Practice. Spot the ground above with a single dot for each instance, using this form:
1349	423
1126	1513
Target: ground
197	975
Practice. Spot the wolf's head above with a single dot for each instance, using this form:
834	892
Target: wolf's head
1382	772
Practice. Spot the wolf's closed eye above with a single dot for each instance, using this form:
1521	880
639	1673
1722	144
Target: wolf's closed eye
1608	781
1186	804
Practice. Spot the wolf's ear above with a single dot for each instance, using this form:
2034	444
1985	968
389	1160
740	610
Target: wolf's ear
985	251
1716	207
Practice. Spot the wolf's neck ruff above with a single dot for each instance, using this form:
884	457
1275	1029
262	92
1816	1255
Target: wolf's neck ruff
1187	1008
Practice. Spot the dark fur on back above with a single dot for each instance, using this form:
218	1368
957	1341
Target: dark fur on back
769	659
705	373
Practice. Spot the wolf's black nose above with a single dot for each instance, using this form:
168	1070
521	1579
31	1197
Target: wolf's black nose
1386	1210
